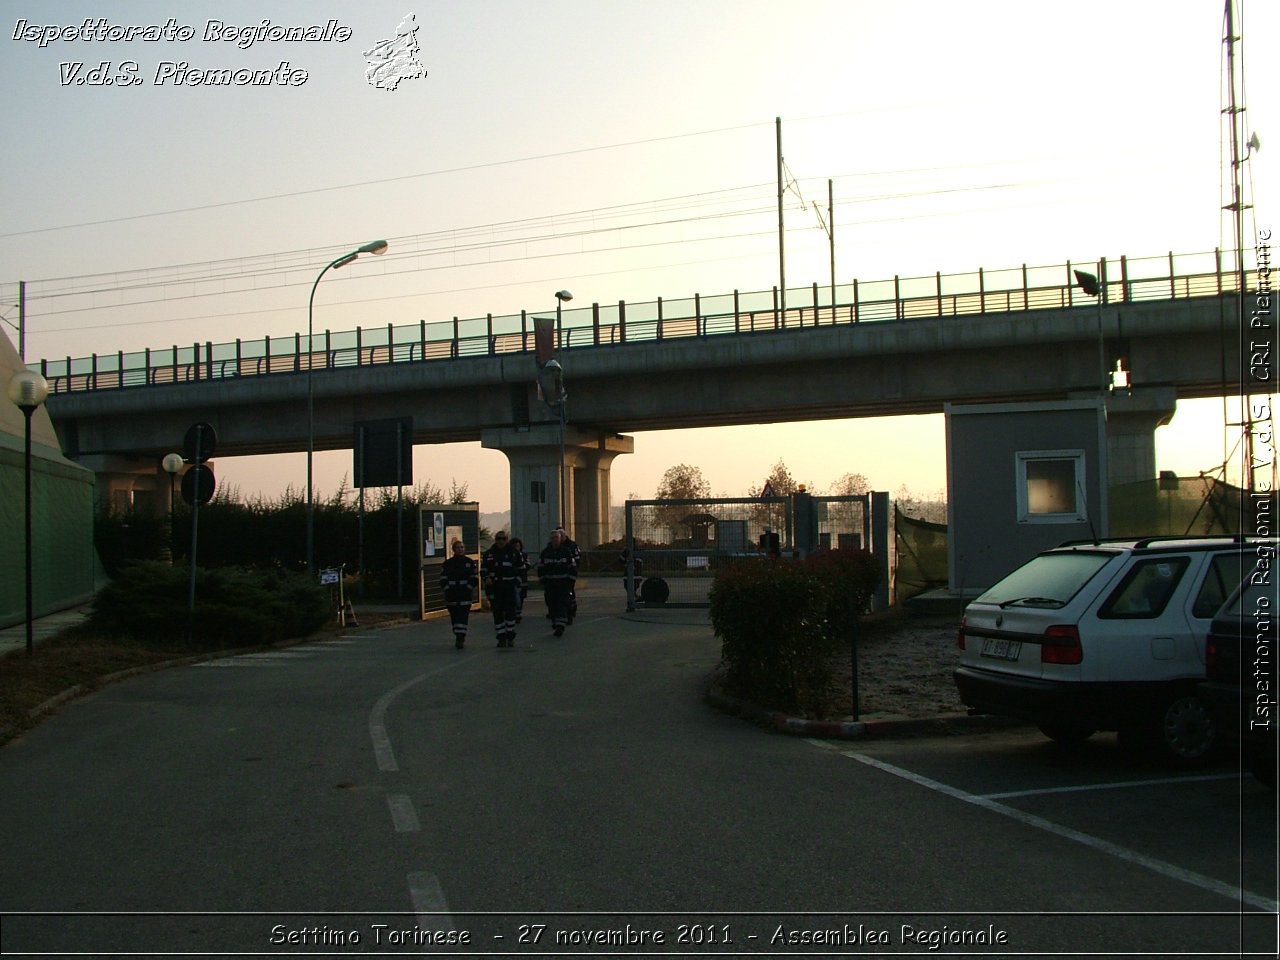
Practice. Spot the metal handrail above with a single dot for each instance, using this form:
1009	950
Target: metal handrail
910	299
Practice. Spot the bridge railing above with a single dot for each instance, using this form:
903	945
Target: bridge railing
898	299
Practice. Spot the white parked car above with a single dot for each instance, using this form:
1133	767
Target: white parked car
1106	635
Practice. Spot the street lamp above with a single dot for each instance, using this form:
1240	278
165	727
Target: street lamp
377	248
1089	284
552	381
172	464
551	385
28	390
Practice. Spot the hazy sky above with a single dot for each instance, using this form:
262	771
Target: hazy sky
617	148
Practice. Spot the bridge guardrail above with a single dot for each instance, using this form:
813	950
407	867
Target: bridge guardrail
899	299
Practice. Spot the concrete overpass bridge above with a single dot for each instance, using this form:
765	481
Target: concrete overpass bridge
900	346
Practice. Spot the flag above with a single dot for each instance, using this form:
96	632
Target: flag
544	339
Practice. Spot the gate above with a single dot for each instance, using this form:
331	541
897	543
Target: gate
675	547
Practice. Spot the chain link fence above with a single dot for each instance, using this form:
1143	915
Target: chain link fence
673	548
1178	506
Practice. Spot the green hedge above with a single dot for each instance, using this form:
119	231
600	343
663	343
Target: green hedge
234	607
782	623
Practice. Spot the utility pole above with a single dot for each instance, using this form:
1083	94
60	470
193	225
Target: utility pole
831	236
22	321
782	256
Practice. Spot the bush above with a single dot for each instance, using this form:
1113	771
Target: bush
125	537
781	623
235	606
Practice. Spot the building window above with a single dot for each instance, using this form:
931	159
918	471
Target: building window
1051	486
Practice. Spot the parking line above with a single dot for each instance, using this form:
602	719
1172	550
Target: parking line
1235	894
1109	786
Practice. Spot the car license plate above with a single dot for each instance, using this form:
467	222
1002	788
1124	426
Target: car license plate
999	648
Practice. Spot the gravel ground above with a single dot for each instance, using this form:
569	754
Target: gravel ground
904	670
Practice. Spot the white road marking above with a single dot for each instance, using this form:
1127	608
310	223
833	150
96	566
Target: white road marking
1109	786
1235	894
402	813
237	662
277	655
382	751
428	901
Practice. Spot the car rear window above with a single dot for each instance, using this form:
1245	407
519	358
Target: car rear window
1051	579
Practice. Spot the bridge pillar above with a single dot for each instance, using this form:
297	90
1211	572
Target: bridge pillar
1132	419
125	483
534	455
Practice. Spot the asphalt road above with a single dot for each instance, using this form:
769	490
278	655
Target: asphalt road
385	793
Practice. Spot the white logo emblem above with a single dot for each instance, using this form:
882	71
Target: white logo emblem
391	61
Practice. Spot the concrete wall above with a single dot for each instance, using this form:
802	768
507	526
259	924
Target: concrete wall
990	531
64	562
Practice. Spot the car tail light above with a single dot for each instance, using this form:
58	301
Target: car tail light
1061	644
1210	656
960	635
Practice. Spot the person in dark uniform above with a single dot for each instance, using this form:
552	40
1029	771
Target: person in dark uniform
458	578
502	568
577	559
558	569
518	546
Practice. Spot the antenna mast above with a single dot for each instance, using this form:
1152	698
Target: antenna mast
1253	416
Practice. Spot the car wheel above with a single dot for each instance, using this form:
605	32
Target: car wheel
1066	735
1179	732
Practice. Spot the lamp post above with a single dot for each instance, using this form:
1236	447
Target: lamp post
551	385
28	390
551	380
172	464
1092	288
377	248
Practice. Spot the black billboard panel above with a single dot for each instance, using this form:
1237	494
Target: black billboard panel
384	453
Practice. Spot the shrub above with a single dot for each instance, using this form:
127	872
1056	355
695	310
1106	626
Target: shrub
235	606
781	623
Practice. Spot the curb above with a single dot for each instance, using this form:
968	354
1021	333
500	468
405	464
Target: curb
97	683
852	729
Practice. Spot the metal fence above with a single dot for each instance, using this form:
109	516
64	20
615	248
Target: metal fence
674	548
900	298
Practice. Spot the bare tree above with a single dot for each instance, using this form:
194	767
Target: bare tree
850	485
779	479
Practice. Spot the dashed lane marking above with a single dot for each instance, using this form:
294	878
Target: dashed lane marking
403	816
428	901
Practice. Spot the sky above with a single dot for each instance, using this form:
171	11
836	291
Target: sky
623	150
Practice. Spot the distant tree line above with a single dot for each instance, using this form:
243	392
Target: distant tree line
686	482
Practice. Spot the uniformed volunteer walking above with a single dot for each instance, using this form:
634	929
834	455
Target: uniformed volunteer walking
459	576
518	546
502	568
558	571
